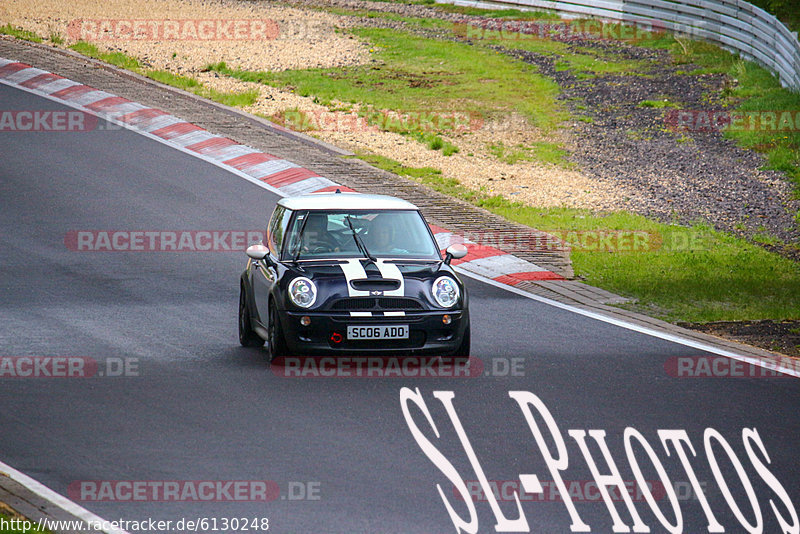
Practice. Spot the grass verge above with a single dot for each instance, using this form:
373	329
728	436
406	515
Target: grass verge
426	78
691	274
19	33
413	74
118	59
777	119
124	61
539	151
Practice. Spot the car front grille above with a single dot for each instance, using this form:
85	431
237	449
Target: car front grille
376	304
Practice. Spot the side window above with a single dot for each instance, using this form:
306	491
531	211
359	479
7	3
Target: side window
277	229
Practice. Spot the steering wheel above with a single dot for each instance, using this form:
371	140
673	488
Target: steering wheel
328	244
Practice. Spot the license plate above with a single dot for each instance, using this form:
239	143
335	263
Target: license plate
395	331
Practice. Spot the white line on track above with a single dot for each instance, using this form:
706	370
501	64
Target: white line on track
785	365
56	498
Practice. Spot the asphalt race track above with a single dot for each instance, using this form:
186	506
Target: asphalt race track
195	406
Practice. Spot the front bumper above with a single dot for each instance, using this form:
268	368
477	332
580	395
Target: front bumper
427	332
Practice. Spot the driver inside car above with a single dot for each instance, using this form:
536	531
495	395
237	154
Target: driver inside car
381	237
316	238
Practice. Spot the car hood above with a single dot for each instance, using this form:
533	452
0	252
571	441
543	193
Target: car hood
363	278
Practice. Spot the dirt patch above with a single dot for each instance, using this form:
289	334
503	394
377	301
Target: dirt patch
776	336
305	38
476	167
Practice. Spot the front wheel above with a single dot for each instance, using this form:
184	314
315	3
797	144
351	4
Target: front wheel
276	342
247	337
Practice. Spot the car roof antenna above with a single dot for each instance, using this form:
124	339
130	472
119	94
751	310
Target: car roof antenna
338	190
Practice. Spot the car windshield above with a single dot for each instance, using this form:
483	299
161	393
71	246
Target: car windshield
348	234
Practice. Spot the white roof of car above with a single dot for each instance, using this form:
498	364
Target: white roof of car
345	201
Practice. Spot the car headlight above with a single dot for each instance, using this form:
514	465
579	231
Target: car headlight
445	291
302	292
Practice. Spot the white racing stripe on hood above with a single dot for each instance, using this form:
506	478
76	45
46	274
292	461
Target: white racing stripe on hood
392	272
353	270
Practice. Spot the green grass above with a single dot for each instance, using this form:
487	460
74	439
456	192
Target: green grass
19	33
591	65
755	90
415	21
660	103
585	63
181	82
516	14
697	274
241	99
700	57
118	59
551	153
56	38
759	91
304	122
416	74
684	274
434	142
542	151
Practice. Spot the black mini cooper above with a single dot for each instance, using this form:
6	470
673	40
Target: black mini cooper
350	273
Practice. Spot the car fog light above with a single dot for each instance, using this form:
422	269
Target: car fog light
305	320
446	319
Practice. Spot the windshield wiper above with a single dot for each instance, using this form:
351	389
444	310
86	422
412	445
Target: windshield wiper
361	246
300	238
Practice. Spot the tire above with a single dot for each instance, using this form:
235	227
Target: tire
247	337
462	352
276	343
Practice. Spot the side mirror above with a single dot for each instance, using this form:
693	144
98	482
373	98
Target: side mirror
257	252
456	251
